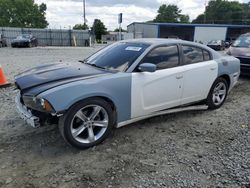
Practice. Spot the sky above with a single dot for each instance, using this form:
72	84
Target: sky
67	13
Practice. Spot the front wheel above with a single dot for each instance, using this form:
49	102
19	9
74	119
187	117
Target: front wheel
87	123
218	93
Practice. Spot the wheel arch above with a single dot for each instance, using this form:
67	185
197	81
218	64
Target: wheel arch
105	98
227	78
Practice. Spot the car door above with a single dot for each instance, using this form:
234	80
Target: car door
200	71
162	89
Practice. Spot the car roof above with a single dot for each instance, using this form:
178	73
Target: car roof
152	41
162	41
246	34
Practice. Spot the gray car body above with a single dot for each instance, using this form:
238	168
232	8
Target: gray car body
116	87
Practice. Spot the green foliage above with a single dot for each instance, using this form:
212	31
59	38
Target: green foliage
122	30
22	13
99	29
81	27
170	14
225	12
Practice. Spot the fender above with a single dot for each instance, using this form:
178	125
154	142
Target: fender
116	87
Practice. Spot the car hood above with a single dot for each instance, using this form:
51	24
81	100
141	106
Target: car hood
53	74
21	40
238	51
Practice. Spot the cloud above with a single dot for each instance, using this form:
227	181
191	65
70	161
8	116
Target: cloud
67	13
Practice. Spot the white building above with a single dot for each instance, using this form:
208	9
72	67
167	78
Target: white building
191	32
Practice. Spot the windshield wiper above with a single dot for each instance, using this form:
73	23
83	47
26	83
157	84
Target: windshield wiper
94	65
82	61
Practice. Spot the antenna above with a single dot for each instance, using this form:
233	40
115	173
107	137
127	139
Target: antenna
84	12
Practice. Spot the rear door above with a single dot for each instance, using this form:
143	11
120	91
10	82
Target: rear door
162	89
200	71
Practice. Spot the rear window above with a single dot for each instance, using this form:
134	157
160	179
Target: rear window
195	55
192	55
206	55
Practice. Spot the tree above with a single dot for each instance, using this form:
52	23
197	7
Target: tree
81	27
98	29
170	14
122	30
225	12
22	13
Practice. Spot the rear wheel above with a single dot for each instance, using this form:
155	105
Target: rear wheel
87	123
217	94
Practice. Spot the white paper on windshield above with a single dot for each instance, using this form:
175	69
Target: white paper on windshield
133	48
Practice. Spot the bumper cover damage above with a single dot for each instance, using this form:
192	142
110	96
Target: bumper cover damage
26	114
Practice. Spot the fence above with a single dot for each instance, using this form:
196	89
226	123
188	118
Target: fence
49	37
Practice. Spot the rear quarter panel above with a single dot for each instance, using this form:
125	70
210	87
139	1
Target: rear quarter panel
229	65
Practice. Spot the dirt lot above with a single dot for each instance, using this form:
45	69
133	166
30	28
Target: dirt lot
189	149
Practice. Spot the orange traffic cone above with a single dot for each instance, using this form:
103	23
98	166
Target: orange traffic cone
3	80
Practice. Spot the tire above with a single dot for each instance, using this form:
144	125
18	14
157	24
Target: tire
75	126
217	94
1	45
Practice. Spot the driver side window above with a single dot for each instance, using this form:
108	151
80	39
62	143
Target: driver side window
163	57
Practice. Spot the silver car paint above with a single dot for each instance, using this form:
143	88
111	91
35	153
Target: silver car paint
115	87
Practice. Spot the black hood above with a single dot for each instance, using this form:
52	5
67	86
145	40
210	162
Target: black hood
51	74
21	40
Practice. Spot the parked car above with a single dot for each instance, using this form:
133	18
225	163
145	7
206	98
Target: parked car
217	45
241	50
3	42
25	40
125	82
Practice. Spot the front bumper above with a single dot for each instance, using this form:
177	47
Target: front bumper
20	44
244	65
26	114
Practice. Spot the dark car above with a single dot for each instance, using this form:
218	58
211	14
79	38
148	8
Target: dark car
217	45
26	40
241	50
3	42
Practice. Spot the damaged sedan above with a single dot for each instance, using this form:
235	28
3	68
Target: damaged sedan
123	83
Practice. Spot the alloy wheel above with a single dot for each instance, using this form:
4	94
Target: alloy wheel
219	93
89	124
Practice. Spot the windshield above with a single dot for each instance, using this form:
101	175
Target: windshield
215	42
23	37
118	56
243	41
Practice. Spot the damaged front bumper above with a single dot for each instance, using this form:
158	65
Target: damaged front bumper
25	113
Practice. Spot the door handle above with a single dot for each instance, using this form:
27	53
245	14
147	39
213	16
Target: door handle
213	68
179	77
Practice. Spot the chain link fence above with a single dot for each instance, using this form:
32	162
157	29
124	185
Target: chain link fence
49	37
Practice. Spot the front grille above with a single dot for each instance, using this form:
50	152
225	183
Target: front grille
244	60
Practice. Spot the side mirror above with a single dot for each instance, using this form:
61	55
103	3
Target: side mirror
147	67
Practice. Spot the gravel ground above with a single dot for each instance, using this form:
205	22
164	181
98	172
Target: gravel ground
189	149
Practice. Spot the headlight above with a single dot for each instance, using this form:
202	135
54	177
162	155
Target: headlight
38	104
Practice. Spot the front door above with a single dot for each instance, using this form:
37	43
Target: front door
162	89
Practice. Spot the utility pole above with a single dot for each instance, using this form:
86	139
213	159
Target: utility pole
205	16
84	12
120	28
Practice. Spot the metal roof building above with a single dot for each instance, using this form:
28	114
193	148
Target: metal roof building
192	32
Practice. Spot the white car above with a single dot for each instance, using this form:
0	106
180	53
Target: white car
123	83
